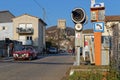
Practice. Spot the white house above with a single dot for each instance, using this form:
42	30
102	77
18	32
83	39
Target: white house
6	25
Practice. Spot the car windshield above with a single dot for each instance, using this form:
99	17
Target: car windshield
23	48
27	48
18	48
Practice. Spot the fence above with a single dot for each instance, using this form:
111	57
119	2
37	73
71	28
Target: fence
116	47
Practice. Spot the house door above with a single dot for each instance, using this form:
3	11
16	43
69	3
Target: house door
22	39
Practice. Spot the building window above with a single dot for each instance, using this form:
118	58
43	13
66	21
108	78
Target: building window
22	25
3	28
29	37
93	15
29	25
101	15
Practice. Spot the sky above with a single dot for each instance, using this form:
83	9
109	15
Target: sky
52	10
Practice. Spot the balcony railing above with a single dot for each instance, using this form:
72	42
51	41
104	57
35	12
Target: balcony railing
24	30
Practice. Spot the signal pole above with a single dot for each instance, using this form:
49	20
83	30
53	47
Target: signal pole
79	18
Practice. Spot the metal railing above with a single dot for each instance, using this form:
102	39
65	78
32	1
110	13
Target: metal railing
24	30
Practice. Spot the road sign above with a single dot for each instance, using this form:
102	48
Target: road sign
97	5
98	26
78	27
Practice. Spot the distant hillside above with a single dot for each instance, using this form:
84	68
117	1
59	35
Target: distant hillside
63	37
70	31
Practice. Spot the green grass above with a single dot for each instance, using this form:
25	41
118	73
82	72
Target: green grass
93	76
95	73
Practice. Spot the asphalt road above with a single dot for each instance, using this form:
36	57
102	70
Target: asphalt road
51	67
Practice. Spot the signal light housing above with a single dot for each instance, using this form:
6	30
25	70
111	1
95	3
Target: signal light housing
78	16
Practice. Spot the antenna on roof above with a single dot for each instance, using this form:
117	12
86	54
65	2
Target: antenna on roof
44	13
43	9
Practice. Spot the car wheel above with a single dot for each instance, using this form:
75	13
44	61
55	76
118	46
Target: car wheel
30	58
15	59
35	57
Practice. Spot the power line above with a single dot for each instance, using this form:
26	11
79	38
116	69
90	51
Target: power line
38	4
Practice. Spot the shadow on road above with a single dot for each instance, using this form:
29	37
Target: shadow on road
46	63
39	62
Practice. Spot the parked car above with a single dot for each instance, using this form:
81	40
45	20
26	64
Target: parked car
70	51
25	53
53	50
62	50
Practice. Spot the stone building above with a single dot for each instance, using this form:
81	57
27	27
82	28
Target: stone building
113	27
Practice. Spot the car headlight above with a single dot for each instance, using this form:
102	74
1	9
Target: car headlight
23	55
26	55
15	55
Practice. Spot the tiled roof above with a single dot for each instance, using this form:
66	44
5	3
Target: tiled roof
87	31
6	16
34	17
112	18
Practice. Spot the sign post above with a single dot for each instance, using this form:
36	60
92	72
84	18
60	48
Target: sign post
78	42
97	17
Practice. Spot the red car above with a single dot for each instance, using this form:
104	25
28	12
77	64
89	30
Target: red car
25	53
